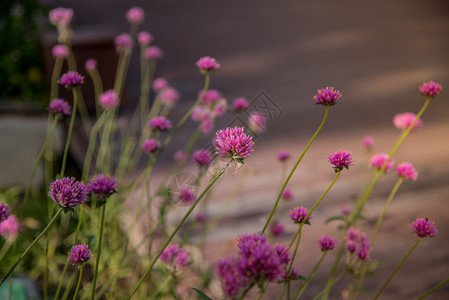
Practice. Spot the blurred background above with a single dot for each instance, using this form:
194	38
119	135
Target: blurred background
376	53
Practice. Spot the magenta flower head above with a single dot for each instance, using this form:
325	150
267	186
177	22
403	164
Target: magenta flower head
233	143
10	227
423	227
154	53
283	155
59	106
220	107
345	211
407	171
160	123
175	256
207	64
144	38
277	229
60	17
159	84
135	15
90	64
379	160
109	100
180	156
186	195
67	192
327	96
326	243
169	95
102	185
257	122
200	217
71	79
404	120
209	97
430	89
368	142
299	214
287	194
151	145
123	42
79	254
340	159
60	51
364	248
4	212
202	158
240	104
231	280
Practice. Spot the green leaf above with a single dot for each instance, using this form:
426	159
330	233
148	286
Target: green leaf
202	294
335	218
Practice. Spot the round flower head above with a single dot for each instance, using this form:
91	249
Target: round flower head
160	123
283	155
102	185
368	141
67	192
154	53
282	253
352	234
207	64
341	159
4	212
220	107
403	121
144	38
9	228
430	89
182	260
209	97
123	42
240	104
364	248
170	253
233	143
200	217
180	156
59	106
327	96
71	79
169	96
60	51
423	227
287	194
60	16
326	243
109	100
159	84
90	64
186	195
231	280
407	171
345	211
202	158
151	145
298	215
257	122
199	113
79	254
135	15
379	160
277	229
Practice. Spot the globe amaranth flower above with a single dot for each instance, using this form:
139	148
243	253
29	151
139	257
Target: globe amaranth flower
283	155
71	79
364	248
423	227
240	104
368	141
207	64
79	254
186	195
326	243
209	97
60	16
379	160
67	192
173	255
169	96
341	159
154	53
4	212
220	107
108	100
9	228
202	158
151	145
327	96
59	106
277	229
345	210
200	217
233	143
144	38
102	185
159	84
299	214
358	243
430	89
257	122
293	275
180	156
90	64
135	15
123	42
287	194
60	51
404	120
231	280
407	171
282	253
160	123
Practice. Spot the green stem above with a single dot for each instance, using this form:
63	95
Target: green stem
98	88
97	261
306	283
31	245
54	78
248	288
69	134
79	283
433	290
327	288
153	262
396	269
294	169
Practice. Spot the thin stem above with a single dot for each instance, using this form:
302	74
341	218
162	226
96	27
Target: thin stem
54	78
31	245
396	269
69	134
79	283
97	261
433	290
153	262
248	288
327	288
294	169
306	283
98	87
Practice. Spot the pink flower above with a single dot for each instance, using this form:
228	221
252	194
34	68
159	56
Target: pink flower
135	15
109	100
59	106
327	96
123	42
210	97
283	155
287	194
345	211
430	89
154	53
60	16
9	228
257	122
341	159
202	158
207	64
144	38
220	107
379	160
160	123
151	145
199	113
240	104
277	229
407	171
159	84
207	125
180	156
368	141
299	214
169	95
233	143
423	227
404	120
60	51
90	64
326	243
186	195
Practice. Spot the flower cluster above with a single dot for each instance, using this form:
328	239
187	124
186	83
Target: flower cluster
175	256
212	105
79	254
430	89
135	15
123	42
277	229
202	158
9	228
169	95
150	145
90	64
109	99
154	53
160	123
240	104
207	64
60	51
379	160
59	106
407	171
327	96
341	159
287	194
60	16
233	143
368	142
298	215
144	38
423	227
326	243
283	155
4	212
71	79
404	120
159	84
67	192
186	195
102	186
358	243
257	122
